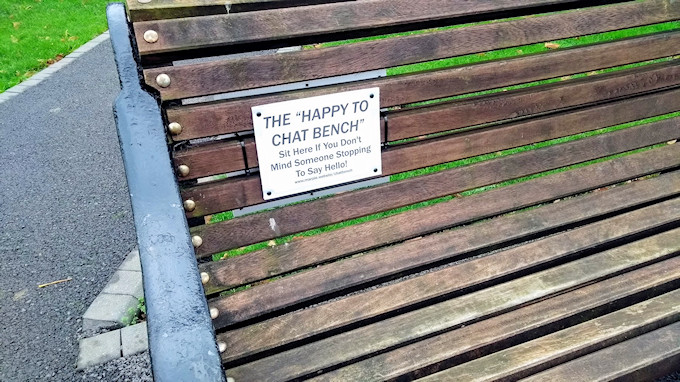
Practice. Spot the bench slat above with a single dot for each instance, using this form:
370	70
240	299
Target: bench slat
309	251
408	293
478	339
642	358
447	246
570	343
318	213
252	72
222	157
168	9
235	116
289	23
245	191
450	314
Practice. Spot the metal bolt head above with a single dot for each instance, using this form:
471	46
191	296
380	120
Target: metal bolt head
197	241
151	36
163	80
205	278
189	205
183	170
222	346
214	313
174	128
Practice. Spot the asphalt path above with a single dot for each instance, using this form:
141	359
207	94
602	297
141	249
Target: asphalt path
64	213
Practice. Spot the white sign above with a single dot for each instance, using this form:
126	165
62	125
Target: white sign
318	142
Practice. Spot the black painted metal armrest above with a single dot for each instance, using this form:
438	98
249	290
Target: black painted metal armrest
181	336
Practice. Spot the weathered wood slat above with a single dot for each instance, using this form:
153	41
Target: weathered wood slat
643	358
318	20
328	246
553	349
335	315
167	9
235	116
245	191
222	157
301	217
448	315
252	72
529	101
404	258
472	341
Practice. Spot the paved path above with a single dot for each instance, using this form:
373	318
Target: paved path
64	213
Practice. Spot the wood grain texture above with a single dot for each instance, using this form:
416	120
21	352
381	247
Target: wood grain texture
223	156
643	358
317	20
235	116
448	315
313	321
479	339
553	349
301	217
309	251
168	9
251	72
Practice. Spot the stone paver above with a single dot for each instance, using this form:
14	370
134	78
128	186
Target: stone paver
125	282
99	349
134	339
131	262
108	311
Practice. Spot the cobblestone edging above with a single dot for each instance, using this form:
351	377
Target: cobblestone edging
47	72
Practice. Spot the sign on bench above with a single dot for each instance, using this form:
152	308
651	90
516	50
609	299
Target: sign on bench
318	142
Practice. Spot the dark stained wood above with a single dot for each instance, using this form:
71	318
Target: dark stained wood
235	116
644	358
301	217
318	20
478	339
310	251
251	72
167	9
406	257
211	158
529	101
215	158
241	192
450	314
553	349
339	314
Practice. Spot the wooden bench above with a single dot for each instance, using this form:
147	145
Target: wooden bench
530	227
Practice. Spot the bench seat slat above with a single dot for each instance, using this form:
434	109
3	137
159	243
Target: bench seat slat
646	357
322	212
481	338
235	116
555	348
295	22
442	247
253	72
450	314
405	294
309	251
222	157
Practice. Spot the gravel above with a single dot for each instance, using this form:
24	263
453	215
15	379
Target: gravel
136	368
65	214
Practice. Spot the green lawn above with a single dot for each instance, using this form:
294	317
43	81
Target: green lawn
37	33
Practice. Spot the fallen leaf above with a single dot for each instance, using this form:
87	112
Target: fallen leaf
16	24
13	39
551	45
674	141
271	243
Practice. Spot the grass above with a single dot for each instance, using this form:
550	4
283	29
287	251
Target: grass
37	33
